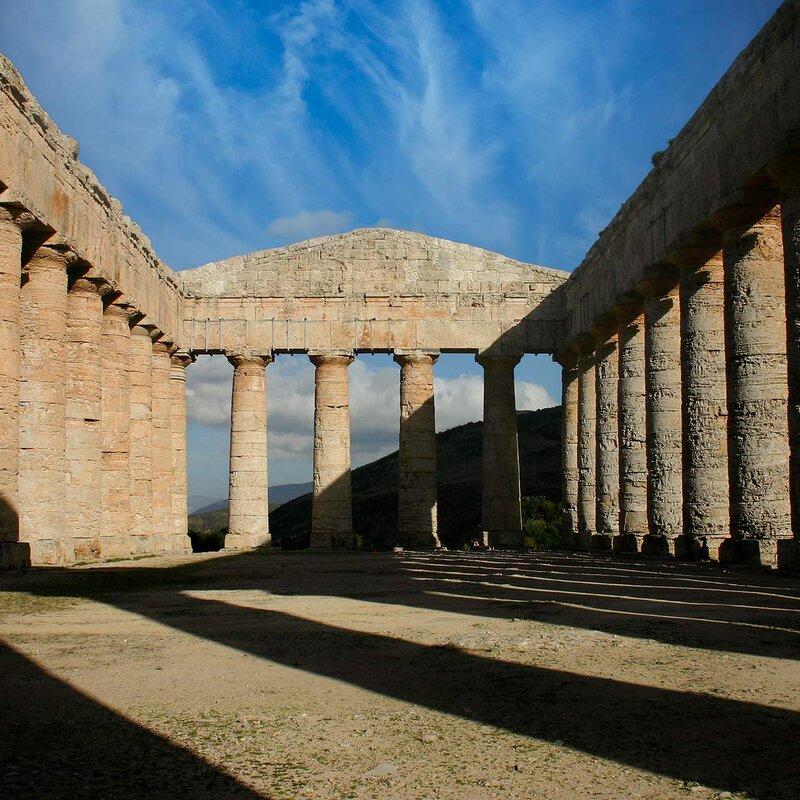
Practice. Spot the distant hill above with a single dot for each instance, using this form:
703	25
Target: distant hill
459	475
214	516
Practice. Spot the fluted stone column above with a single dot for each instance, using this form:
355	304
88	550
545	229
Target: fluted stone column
115	359
248	500
43	328
632	427
705	418
13	553
332	510
607	468
569	446
180	490
501	503
587	444
786	172
663	381
417	520
163	538
141	438
84	444
755	317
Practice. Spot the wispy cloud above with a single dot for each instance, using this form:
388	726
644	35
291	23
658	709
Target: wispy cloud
309	223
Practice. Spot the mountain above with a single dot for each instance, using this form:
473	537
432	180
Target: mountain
277	496
459	484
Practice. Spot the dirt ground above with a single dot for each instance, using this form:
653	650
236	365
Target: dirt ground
358	675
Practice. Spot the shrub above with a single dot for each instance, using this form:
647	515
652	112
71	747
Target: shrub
541	521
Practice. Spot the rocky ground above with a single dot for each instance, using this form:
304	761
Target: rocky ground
458	675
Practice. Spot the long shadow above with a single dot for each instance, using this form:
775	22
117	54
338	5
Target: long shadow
57	742
719	742
716	741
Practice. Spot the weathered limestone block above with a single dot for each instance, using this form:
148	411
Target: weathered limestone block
248	502
587	444
663	382
42	440
607	391
13	553
332	509
755	316
705	430
115	359
84	442
786	172
501	509
569	444
141	438
180	508
632	427
417	521
163	536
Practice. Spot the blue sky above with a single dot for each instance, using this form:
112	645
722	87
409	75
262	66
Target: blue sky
227	127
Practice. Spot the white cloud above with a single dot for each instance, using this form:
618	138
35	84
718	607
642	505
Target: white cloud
374	404
309	223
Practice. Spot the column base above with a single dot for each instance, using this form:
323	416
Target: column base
505	539
584	541
658	545
602	541
246	541
754	552
627	543
15	555
789	554
421	540
699	548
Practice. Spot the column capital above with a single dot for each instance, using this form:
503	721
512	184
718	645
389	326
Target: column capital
628	307
84	286
785	171
121	311
339	357
584	347
182	358
162	346
243	358
697	248
566	358
747	209
659	280
18	216
489	358
402	356
50	257
137	329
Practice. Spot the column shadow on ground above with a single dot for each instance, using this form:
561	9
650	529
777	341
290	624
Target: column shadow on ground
719	742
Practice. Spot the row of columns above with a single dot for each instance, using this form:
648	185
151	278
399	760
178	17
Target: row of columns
92	414
677	410
332	522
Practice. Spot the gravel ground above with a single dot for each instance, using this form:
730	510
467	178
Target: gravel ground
358	675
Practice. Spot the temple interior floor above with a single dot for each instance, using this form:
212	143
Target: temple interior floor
415	675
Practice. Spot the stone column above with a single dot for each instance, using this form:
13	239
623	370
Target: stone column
755	323
13	553
163	538
663	382
43	327
569	446
141	438
115	360
180	490
705	416
587	443
786	172
607	389
84	443
502	513
417	519
632	427
248	500
332	511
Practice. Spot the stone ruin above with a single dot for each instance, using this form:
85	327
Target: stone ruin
678	335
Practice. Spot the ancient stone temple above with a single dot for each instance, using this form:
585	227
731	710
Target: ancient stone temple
678	334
